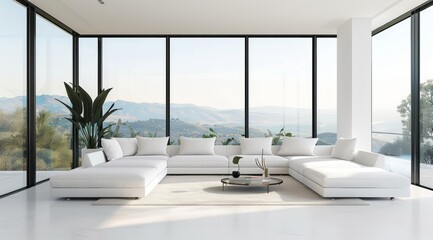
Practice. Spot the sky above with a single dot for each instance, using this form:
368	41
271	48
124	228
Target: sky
391	61
207	72
391	66
210	72
12	49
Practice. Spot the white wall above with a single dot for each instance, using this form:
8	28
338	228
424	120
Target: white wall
354	81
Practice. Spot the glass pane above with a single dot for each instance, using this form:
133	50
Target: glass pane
426	101
280	87
88	70
13	97
53	67
391	109
88	65
207	88
135	69
326	91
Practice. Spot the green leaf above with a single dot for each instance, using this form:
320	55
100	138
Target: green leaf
75	115
236	159
76	102
98	104
87	104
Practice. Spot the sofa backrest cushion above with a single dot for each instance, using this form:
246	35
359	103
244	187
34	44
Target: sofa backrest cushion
128	146
344	148
323	150
197	146
294	146
111	148
230	150
152	146
370	159
254	146
92	159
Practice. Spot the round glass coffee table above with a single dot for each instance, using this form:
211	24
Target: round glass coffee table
252	181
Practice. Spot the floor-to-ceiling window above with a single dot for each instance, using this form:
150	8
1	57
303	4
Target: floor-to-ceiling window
391	84
13	70
207	88
326	90
426	97
53	68
135	69
280	81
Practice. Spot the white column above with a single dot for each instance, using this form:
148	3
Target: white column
354	81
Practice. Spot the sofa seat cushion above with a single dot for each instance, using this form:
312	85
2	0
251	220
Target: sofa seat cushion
104	177
248	161
197	161
145	158
301	163
136	162
363	177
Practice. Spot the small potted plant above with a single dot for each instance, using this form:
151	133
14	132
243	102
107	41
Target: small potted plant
262	165
237	173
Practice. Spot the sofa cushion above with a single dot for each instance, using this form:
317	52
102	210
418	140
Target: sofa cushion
152	146
344	148
323	150
248	161
299	164
111	148
197	161
128	145
363	177
92	159
145	158
137	162
197	146
294	146
254	146
98	177
370	159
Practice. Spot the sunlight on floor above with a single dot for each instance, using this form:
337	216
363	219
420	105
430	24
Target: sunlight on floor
173	214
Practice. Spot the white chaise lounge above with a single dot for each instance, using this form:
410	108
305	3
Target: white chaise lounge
365	176
131	176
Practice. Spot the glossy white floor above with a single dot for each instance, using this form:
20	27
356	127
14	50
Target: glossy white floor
32	214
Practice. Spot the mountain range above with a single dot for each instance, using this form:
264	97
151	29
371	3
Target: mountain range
131	111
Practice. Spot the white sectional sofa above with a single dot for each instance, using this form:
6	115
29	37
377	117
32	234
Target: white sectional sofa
135	176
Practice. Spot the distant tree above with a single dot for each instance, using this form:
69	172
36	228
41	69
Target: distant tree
276	139
426	118
52	143
13	140
426	111
116	131
210	134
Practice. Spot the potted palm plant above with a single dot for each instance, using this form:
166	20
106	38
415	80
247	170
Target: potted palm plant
87	115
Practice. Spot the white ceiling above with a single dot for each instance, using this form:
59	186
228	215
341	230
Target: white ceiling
219	16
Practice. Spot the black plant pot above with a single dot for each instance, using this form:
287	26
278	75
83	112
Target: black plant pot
236	174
